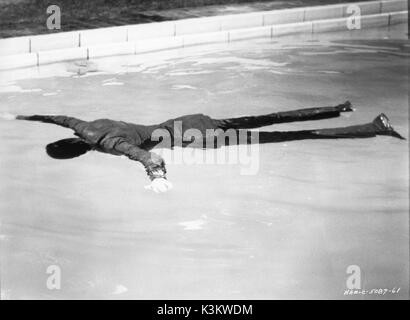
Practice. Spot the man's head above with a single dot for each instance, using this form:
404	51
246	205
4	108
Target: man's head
67	148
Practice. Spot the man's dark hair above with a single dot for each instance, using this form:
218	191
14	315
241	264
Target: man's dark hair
67	148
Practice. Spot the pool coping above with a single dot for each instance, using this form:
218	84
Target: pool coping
29	51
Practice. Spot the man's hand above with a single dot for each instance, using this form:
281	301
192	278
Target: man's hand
159	185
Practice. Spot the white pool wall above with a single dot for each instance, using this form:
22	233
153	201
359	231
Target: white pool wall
134	39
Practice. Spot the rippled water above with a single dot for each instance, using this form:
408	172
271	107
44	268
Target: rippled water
289	231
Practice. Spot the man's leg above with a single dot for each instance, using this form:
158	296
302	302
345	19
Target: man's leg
282	117
379	126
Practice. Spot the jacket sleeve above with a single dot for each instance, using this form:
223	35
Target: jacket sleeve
153	163
64	121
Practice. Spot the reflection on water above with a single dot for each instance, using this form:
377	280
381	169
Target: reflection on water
290	231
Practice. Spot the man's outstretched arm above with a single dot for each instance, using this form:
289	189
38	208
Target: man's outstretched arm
64	121
154	165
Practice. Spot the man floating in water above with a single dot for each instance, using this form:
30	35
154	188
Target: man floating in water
136	141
